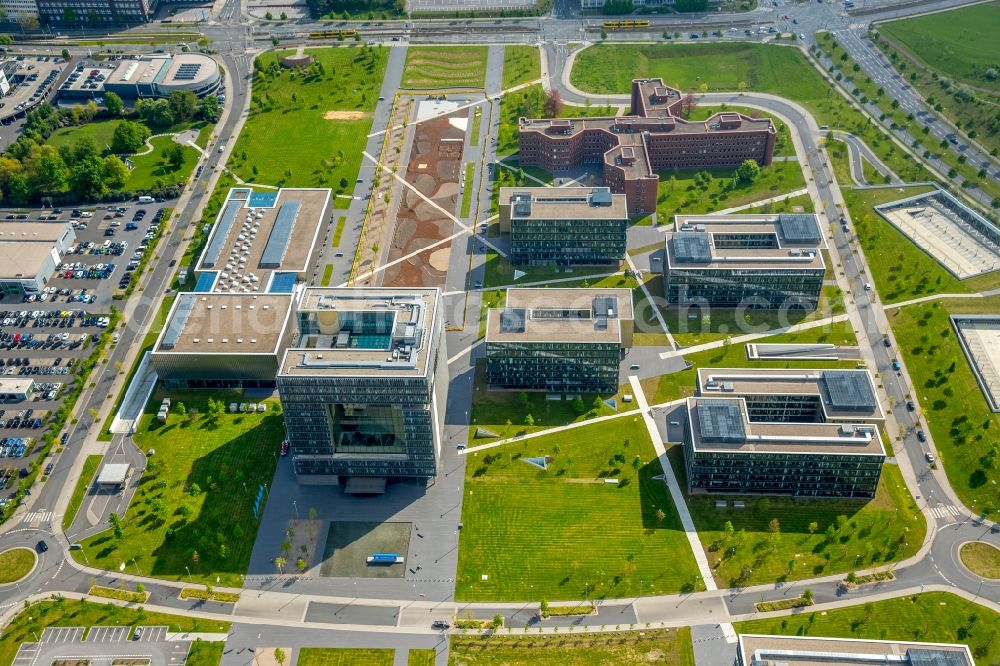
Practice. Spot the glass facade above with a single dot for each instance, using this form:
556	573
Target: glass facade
558	367
567	242
751	288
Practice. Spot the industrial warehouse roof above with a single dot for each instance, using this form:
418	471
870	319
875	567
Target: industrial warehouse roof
844	394
741	242
364	332
256	233
23	260
723	424
216	323
564	203
41	232
560	315
818	651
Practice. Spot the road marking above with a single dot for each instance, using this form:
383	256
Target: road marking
38	516
946	512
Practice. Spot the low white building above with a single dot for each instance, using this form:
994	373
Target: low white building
14	390
30	253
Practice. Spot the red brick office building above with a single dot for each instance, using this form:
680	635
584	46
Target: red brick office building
652	138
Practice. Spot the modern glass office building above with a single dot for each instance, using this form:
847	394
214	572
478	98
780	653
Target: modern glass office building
754	261
364	387
563	226
806	433
559	340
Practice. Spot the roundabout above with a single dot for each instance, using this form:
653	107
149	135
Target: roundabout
16	564
981	558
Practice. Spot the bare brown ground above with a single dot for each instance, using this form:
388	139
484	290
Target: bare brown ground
433	170
344	115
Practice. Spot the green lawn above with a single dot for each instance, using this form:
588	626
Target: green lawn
960	44
801	203
327	275
936	617
439	67
468	189
345	657
565	533
335	242
288	136
670	647
961	423
521	64
768	68
417	657
15	564
681	384
866	534
527	103
840	159
193	509
982	559
90	466
66	613
152	171
205	653
100	132
696	192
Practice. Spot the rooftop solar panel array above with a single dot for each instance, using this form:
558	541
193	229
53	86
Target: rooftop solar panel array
281	232
692	247
799	228
175	326
849	390
222	227
512	320
187	72
720	421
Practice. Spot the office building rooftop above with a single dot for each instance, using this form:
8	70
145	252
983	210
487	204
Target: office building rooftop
758	650
364	332
216	323
560	315
762	242
564	203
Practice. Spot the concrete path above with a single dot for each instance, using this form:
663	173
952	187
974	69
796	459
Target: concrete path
763	202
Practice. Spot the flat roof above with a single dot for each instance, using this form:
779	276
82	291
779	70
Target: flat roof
277	233
40	232
845	394
560	315
19	385
397	329
564	203
787	241
113	474
819	651
21	260
721	423
180	68
217	323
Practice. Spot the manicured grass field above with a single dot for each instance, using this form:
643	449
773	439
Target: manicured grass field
153	171
960	44
840	158
696	192
566	533
67	613
671	647
345	657
982	559
468	189
951	403
335	241
90	466
521	64
100	132
193	509
308	127
438	67
327	274
866	534
768	68
936	617
802	202
15	564
681	384
417	657
205	653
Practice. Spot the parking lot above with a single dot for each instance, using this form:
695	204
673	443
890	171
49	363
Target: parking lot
36	79
45	337
103	645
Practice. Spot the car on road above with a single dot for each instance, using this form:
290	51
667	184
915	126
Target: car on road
895	364
911	406
138	634
41	546
868	286
440	624
886	342
921	435
284	447
929	456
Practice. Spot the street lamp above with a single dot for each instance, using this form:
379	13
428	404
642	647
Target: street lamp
295	505
189	574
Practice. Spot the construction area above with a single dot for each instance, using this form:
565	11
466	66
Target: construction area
979	336
961	240
426	209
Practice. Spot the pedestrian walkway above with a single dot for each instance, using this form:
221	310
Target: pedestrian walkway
946	512
670	479
762	202
42	516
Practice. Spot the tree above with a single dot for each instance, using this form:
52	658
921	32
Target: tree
209	108
279	655
181	409
529	420
66	54
300	564
660	515
748	171
115	172
553	104
87	178
129	137
578	405
807	595
116	525
113	103
140	588
543	608
174	154
279	563
183	105
774	527
813	526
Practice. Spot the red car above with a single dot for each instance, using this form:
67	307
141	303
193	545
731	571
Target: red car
284	447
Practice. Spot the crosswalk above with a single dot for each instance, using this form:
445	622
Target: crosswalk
945	512
38	517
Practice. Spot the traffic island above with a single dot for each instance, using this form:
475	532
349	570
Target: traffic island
16	564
